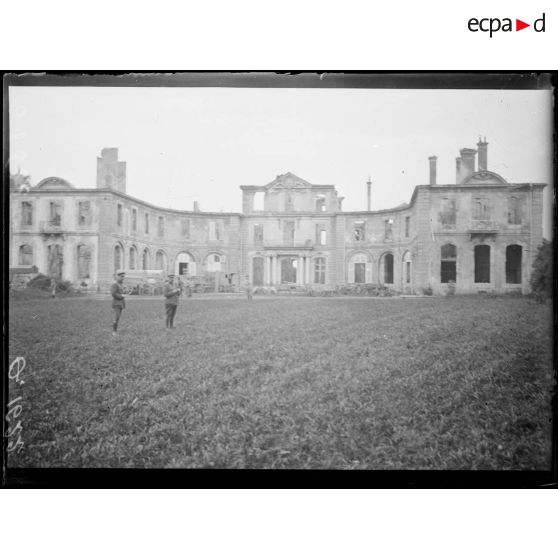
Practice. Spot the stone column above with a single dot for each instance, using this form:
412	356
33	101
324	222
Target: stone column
273	268
277	276
299	271
267	278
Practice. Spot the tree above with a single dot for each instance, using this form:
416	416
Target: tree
541	278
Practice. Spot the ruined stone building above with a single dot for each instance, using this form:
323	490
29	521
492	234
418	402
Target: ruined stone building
479	234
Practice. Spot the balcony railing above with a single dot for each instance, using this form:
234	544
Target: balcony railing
289	245
53	226
483	226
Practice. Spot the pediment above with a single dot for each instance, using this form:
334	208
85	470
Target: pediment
288	181
484	177
54	183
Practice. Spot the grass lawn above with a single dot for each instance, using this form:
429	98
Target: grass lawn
428	383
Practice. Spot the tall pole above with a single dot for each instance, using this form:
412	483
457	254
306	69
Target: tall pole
369	192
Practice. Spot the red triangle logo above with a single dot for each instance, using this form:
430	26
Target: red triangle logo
519	25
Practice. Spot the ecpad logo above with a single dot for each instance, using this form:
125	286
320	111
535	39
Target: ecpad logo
493	25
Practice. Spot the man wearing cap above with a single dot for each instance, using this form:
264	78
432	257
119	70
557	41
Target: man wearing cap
171	293
118	302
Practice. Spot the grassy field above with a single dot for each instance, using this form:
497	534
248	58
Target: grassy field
429	383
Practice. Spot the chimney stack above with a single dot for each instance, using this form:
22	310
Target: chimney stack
432	161
111	173
458	176
196	207
467	162
369	193
483	154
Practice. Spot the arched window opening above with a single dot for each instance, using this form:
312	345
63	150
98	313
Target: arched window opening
319	270
133	258
482	263
388	269
118	263
513	264
185	264
145	259
160	260
214	262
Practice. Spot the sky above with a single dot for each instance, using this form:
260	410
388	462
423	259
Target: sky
200	144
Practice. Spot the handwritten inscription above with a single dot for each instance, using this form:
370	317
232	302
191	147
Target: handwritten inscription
15	408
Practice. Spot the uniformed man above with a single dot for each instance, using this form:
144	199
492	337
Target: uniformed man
171	293
248	287
118	302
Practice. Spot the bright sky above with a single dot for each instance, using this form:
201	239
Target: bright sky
186	144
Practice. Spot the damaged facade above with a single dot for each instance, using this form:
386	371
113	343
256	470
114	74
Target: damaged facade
479	234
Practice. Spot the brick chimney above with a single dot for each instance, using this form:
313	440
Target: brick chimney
432	161
467	162
196	207
483	154
369	193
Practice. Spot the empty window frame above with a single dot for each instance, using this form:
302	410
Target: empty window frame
407	226
359	231
407	267
26	214
448	213
160	226
388	229
216	230
134	220
320	203
55	217
146	223
84	213
119	215
388	269
160	260
214	262
448	264
132	260
513	264
25	255
481	209
356	268
145	259
321	235
482	263
319	270
118	259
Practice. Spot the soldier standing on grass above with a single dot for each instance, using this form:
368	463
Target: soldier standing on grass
171	293
118	302
248	287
